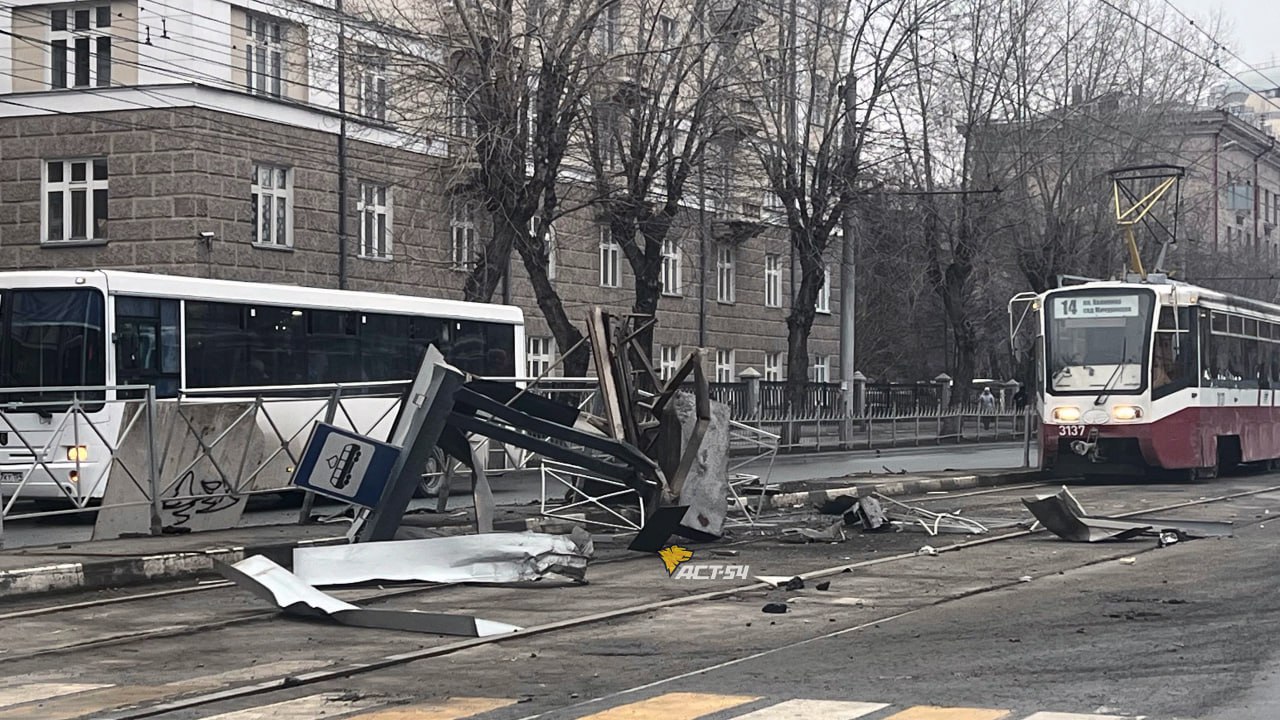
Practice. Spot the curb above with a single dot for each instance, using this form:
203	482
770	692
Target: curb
902	487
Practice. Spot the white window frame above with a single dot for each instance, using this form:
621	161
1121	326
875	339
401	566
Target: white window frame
820	371
668	31
374	208
464	127
773	280
775	367
726	273
669	360
68	189
540	354
264	54
374	95
822	303
270	195
97	37
725	365
610	260
553	245
672	276
462	234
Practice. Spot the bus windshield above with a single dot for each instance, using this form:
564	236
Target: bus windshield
1097	341
51	338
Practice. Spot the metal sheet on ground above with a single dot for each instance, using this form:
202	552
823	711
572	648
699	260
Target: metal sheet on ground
485	558
200	489
287	592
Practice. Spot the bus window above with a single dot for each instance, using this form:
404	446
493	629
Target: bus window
333	350
53	338
482	348
275	350
386	348
215	345
146	339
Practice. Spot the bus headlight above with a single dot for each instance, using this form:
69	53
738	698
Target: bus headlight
77	453
1126	412
1067	414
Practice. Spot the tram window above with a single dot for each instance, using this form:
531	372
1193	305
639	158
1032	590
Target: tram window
1251	327
333	350
386	349
1249	361
1219	322
1274	351
216	345
1235	324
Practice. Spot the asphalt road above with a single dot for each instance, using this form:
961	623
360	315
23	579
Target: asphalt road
1030	627
510	490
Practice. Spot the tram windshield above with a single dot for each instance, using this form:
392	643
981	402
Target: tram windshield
51	338
1097	341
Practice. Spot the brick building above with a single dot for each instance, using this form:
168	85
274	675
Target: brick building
197	137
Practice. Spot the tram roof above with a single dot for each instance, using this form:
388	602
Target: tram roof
1188	294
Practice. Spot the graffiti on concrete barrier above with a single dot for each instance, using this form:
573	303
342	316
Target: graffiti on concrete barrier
211	496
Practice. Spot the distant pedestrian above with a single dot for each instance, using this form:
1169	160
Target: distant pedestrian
986	407
1020	398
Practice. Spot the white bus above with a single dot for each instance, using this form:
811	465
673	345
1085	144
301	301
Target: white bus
212	338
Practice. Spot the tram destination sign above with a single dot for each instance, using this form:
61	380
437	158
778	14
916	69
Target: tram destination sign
345	466
1096	306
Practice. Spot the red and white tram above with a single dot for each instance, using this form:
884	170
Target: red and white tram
1156	378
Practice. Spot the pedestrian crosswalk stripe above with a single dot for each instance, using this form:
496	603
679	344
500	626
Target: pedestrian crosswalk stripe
42	691
1080	716
673	706
450	709
930	712
814	709
311	707
68	707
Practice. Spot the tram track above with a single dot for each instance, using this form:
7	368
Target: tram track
391	661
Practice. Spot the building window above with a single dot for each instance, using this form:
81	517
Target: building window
263	55
374	208
75	200
668	361
724	366
823	303
725	278
668	31
672	282
272	206
552	243
821	372
610	260
464	127
610	21
773	367
462	230
80	47
373	87
540	355
773	280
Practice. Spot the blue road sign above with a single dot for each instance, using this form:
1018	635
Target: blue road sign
345	466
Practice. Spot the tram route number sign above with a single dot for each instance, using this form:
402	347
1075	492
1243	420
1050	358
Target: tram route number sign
1096	306
345	465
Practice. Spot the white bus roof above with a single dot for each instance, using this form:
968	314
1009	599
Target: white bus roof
193	288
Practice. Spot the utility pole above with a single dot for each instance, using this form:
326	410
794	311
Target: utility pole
342	147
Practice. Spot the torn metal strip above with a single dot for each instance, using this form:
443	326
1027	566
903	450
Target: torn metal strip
287	591
484	558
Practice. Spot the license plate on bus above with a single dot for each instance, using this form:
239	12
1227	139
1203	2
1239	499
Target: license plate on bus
10	477
1071	430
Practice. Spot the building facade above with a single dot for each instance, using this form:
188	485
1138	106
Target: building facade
200	137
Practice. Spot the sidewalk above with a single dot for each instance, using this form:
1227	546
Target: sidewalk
102	564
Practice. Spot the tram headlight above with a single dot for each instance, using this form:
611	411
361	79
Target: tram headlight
1126	412
1067	414
77	453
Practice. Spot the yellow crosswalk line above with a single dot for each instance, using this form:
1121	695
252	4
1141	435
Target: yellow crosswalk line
34	692
1080	716
304	708
814	710
81	704
450	709
673	706
930	712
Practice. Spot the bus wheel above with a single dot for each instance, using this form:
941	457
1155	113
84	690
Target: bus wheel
433	478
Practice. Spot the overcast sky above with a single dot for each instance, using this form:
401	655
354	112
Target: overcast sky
1255	25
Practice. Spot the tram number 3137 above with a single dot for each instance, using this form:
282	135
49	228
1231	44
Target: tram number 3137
1071	430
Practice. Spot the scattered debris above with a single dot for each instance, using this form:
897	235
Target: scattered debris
1128	561
290	594
872	516
910	517
724	553
838	505
824	585
1063	515
1167	538
795	583
774	608
832	533
1025	578
927	550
